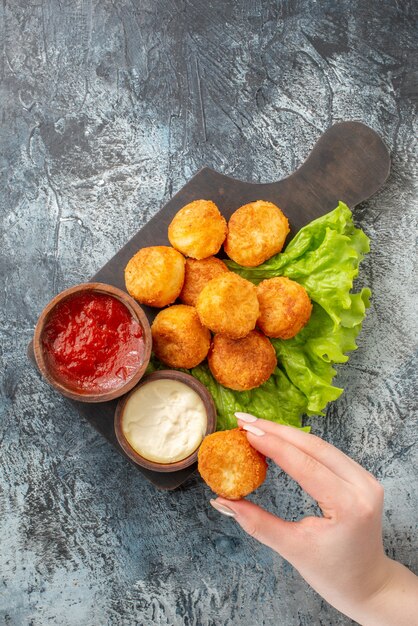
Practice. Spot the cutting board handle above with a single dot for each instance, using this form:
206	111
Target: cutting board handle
349	162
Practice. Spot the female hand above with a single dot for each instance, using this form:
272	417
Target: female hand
340	554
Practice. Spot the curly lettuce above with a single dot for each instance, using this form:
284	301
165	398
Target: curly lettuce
324	257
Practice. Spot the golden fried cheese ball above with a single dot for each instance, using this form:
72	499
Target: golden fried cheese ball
178	337
285	307
198	230
155	275
230	465
198	273
228	304
256	231
242	364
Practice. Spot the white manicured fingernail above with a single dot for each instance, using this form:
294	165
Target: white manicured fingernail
245	417
254	430
225	510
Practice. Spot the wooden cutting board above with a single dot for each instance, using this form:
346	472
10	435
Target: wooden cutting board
349	162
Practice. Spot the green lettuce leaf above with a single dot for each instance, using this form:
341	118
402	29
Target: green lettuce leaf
324	257
308	358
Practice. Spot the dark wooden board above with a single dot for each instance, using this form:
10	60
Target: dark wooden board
349	162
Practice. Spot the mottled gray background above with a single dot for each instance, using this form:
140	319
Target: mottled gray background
107	108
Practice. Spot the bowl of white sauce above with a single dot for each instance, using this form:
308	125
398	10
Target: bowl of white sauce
161	423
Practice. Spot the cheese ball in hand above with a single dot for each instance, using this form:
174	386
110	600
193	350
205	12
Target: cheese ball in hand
242	364
256	232
155	275
228	304
230	465
197	275
198	230
285	307
178	337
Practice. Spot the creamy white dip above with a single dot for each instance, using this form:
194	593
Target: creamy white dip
164	421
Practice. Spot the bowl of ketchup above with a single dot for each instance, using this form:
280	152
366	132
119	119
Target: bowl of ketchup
92	342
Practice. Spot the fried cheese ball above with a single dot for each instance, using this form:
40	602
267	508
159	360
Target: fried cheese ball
197	275
228	304
285	307
256	231
242	364
155	275
230	465
198	230
178	337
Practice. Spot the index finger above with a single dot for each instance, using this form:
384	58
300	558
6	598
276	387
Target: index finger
326	453
331	491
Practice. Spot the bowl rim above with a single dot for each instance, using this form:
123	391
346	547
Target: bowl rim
135	310
191	382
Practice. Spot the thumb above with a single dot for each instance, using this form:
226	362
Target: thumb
283	537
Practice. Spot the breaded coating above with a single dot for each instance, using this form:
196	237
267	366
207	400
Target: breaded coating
242	364
155	275
256	231
197	275
198	230
178	337
228	304
285	307
230	465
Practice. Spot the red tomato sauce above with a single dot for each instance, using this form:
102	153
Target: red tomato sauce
92	343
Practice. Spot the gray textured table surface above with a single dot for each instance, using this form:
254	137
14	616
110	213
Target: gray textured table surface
107	108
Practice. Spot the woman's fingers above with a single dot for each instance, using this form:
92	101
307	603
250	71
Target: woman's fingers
284	537
331	492
325	453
